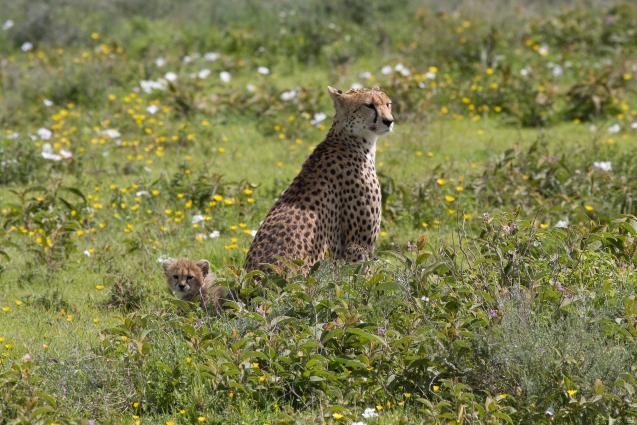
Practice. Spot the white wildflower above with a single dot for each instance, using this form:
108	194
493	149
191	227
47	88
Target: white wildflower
211	56
263	70
253	233
44	133
51	156
543	50
525	72
562	224
359	423
47	153
47	102
250	87
386	70
198	218
402	69
614	129
288	95
430	75
170	76
603	165
66	154
357	86
424	298
87	253
162	259
318	118
150	85
370	412
634	125
152	109
214	234
203	74
111	133
12	136
159	62
142	194
26	46
8	24
225	76
366	75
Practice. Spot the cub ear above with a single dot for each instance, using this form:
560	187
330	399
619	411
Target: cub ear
166	264
204	265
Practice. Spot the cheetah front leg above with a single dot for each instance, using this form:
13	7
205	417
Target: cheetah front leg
357	253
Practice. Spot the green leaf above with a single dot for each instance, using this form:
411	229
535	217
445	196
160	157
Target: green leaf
364	336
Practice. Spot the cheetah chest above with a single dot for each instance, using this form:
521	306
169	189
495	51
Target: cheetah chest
360	205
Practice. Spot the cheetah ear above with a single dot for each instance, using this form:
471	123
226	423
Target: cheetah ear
204	265
335	94
337	97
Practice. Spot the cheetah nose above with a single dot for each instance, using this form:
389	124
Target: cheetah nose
182	285
387	122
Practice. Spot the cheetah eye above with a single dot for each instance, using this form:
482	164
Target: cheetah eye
189	277
389	105
370	105
175	276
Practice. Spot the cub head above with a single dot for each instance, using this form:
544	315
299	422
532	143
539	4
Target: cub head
362	112
185	277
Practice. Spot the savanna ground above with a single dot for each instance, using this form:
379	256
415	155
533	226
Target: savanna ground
504	290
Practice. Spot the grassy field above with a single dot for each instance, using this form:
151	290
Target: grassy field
504	289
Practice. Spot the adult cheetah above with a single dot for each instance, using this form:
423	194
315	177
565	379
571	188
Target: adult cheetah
333	206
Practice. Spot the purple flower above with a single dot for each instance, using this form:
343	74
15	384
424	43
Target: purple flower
560	287
493	313
381	331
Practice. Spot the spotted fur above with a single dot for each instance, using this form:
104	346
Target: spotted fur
191	281
334	205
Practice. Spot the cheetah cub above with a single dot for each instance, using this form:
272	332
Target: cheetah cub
333	206
191	280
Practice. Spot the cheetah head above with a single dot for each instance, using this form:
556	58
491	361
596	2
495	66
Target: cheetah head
185	277
362	112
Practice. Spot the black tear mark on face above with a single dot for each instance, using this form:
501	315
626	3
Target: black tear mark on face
373	108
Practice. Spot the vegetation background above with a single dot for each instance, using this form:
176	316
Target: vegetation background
504	289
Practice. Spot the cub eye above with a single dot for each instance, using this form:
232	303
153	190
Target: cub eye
370	105
389	105
189	277
175	276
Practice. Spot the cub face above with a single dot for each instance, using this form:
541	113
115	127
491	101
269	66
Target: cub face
185	278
